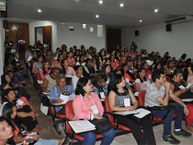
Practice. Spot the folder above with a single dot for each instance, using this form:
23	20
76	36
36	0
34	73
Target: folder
80	126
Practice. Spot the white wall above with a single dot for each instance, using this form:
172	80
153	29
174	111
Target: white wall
2	50
32	26
155	38
40	34
80	36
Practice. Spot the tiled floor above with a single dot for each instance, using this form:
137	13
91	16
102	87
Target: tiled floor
46	124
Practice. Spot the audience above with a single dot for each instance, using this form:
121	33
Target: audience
88	63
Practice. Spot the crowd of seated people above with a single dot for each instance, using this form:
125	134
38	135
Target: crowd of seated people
135	67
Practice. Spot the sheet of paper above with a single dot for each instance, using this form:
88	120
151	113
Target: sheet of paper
81	126
124	113
136	94
29	58
65	98
187	100
142	113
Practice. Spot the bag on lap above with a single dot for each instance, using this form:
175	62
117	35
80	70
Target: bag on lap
102	125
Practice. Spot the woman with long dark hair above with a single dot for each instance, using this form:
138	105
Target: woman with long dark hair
122	99
87	106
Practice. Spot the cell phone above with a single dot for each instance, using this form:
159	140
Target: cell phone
29	140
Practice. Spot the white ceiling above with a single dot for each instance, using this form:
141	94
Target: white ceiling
111	14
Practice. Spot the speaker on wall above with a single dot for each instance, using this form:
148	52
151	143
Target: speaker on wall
136	32
168	27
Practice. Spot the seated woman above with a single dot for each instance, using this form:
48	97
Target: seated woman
25	110
38	65
13	129
122	99
44	72
66	69
141	83
87	106
7	84
126	73
71	60
57	62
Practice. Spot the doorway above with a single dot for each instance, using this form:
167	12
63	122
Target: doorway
44	35
113	39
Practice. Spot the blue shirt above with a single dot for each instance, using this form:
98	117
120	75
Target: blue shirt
55	93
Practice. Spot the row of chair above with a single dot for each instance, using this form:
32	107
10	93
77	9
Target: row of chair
69	114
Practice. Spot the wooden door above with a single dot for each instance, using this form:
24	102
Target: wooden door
113	39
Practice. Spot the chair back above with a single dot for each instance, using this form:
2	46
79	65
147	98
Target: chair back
108	110
141	98
69	110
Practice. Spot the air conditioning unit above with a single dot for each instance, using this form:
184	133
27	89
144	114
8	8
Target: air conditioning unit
2	5
179	19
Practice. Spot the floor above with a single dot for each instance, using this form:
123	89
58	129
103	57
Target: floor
48	132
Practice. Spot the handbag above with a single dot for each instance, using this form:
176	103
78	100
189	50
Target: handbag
101	125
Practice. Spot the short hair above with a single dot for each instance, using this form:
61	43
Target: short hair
157	74
80	85
55	68
61	76
176	72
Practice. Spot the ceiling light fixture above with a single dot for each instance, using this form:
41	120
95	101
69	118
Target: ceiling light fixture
97	16
100	2
121	5
140	21
39	10
156	10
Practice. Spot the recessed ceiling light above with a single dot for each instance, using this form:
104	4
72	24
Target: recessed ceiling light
140	21
100	2
121	5
39	10
97	16
156	10
76	0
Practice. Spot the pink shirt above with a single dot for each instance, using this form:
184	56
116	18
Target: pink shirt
70	71
82	106
71	61
44	76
